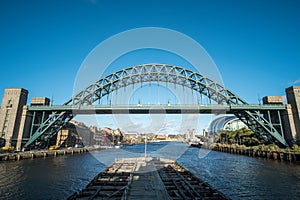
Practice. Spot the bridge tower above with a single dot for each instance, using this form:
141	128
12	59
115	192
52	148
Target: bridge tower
14	99
293	98
282	119
28	119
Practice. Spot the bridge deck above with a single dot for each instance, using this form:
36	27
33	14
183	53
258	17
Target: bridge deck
153	178
155	109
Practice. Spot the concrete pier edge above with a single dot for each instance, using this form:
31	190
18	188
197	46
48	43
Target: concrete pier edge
16	156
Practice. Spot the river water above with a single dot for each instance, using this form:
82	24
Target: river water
238	177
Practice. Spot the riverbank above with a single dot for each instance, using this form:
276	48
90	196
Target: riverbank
262	151
44	153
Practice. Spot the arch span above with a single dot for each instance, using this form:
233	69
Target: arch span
161	73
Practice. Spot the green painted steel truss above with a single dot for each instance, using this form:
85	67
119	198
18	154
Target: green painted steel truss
255	120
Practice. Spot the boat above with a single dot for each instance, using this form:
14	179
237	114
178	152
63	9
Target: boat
196	144
119	145
147	178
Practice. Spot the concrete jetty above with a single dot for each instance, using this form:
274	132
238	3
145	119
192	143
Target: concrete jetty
147	178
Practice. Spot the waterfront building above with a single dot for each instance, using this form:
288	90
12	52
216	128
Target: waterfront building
68	137
228	123
190	134
86	135
132	137
98	135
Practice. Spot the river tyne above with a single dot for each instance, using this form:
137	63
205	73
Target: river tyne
236	176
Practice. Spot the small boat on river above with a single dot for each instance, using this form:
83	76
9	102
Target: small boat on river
196	144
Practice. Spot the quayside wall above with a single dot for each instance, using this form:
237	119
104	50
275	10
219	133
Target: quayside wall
289	155
41	154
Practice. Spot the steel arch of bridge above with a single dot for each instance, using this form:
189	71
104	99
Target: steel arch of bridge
155	73
255	120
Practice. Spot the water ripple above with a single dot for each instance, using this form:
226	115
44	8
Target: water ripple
239	177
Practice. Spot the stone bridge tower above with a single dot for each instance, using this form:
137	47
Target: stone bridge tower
10	114
293	98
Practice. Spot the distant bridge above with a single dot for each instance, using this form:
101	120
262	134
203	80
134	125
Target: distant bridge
264	120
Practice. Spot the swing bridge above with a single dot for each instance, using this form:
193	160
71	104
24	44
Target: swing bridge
266	121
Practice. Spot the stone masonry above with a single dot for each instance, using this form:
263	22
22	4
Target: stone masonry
10	114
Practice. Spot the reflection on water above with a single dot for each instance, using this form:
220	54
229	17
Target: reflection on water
239	177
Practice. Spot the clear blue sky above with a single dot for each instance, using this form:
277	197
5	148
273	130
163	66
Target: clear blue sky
254	43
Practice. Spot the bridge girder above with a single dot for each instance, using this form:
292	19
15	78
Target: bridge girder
156	73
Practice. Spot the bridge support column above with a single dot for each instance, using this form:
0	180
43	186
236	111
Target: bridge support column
24	130
293	98
290	133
